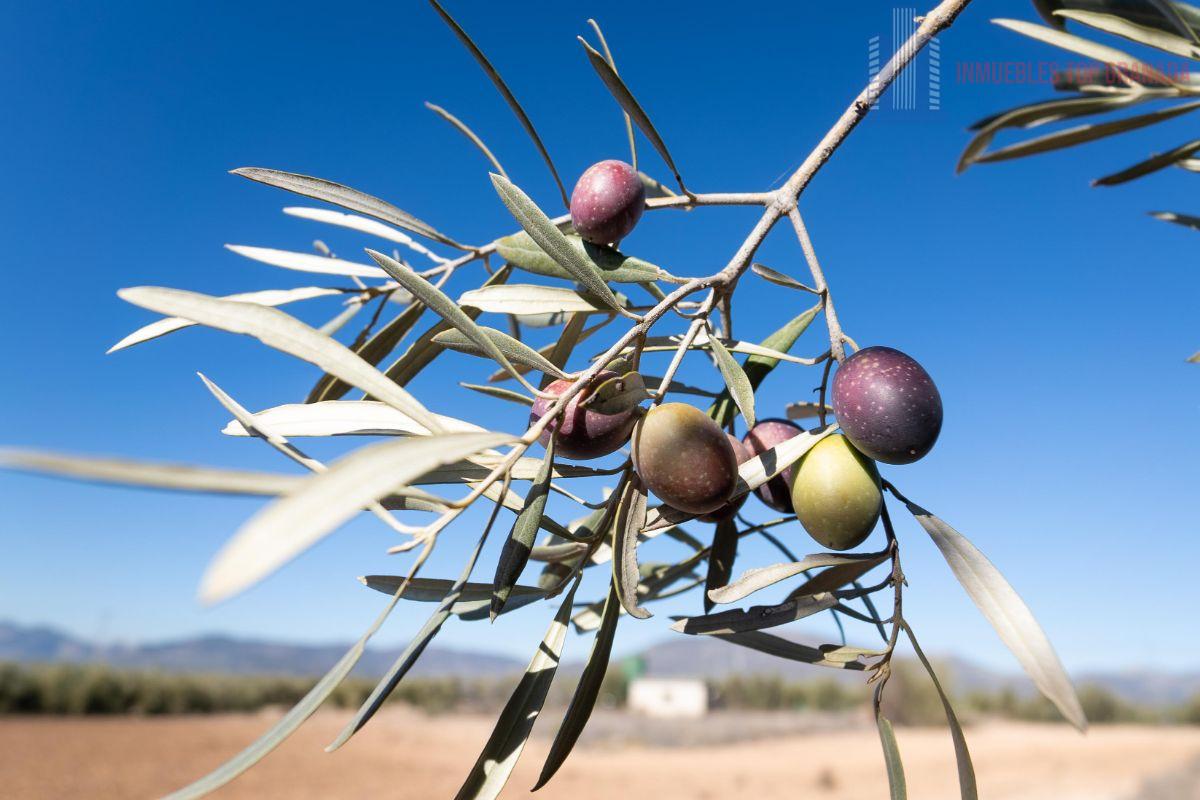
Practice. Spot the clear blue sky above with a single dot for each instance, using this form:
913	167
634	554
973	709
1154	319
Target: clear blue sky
1055	318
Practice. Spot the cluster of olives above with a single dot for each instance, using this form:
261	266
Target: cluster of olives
885	403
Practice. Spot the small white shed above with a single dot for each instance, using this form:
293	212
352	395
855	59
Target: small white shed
674	698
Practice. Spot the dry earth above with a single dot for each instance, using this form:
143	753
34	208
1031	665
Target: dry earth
404	754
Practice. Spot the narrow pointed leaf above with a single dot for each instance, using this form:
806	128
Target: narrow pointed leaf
1007	613
473	601
608	56
345	418
756	617
736	382
1153	37
806	410
523	298
720	562
284	529
759	578
344	196
1186	220
586	692
549	238
631	516
620	92
282	332
361	224
523	252
500	393
515	351
617	395
966	770
306	262
1084	47
891	758
462	128
373	350
838	575
515	723
785	648
1082	134
780	279
269	297
1153	164
505	92
515	554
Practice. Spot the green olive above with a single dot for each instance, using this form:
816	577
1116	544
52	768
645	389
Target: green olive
836	493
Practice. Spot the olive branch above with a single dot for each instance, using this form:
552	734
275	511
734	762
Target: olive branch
426	448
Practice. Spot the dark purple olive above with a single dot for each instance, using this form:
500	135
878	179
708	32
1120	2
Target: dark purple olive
776	492
743	455
685	458
607	202
887	405
579	433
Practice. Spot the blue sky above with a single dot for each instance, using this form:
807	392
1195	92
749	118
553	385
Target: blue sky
1055	318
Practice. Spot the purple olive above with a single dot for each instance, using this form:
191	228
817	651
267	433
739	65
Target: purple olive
607	202
776	492
743	455
887	405
579	433
685	458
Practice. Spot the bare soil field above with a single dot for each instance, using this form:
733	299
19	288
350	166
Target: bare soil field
404	754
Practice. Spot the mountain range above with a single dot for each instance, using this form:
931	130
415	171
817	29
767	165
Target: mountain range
676	657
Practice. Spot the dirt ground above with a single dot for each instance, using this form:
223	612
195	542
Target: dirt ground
403	754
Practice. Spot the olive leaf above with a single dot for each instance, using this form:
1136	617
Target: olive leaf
306	262
150	474
515	554
500	392
1186	220
806	410
785	648
362	225
608	56
344	196
1007	613
630	517
780	279
373	350
1153	164
1153	37
505	92
838	575
514	725
966	770
462	128
759	578
269	297
756	617
445	308
284	529
523	252
620	92
344	418
891	757
617	395
282	332
474	599
736	381
523	298
416	646
1115	58
549	238
515	351
720	560
586	692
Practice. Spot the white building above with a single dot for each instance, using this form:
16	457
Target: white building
668	698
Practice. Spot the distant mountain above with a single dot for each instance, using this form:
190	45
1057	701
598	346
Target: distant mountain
227	654
680	656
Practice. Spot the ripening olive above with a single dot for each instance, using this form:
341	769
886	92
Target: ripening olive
761	438
743	455
836	493
607	202
887	405
580	433
684	458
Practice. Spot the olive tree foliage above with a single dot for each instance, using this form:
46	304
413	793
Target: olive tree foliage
1119	82
541	273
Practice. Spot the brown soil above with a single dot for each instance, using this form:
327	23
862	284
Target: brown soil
403	754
